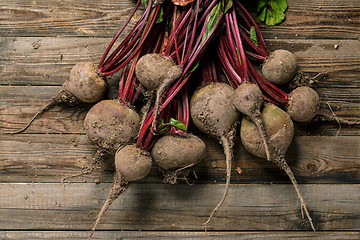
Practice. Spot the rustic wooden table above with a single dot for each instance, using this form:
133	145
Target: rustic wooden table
40	40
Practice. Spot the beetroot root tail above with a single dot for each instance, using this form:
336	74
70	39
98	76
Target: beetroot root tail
62	96
280	161
260	126
118	187
51	103
332	117
99	155
227	145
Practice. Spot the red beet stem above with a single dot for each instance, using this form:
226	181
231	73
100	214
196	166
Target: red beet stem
118	34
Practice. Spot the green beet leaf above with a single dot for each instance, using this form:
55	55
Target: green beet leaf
271	11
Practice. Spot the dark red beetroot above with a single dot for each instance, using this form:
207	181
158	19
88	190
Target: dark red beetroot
177	153
131	164
152	69
83	85
157	73
110	125
280	67
280	131
248	100
213	112
304	104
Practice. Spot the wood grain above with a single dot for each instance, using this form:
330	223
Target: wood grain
163	235
152	206
321	19
49	157
63	18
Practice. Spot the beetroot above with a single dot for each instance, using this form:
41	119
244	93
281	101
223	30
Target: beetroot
248	99
304	104
131	164
280	131
84	85
212	109
213	112
157	72
174	154
110	125
152	69
280	67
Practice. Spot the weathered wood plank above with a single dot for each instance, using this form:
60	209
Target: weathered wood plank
311	19
48	158
63	18
19	104
49	64
130	235
21	64
151	206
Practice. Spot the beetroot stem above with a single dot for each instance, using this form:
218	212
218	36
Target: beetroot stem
257	56
230	42
192	38
113	62
137	29
227	49
185	42
118	34
130	79
260	38
214	75
240	47
252	45
121	85
185	108
206	13
234	79
175	36
179	24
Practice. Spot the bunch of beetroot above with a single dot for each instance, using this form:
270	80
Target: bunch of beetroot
167	53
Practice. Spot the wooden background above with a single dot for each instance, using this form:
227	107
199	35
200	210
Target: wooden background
40	40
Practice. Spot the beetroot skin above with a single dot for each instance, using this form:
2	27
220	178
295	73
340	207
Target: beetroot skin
280	67
176	151
110	124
